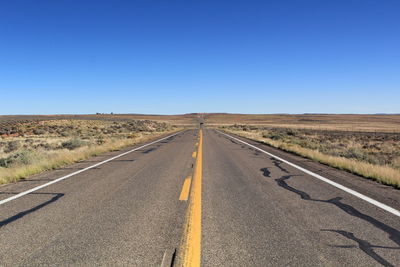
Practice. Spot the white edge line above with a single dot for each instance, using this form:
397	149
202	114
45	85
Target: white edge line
77	172
326	180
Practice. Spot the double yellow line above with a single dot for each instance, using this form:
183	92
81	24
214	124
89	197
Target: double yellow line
191	254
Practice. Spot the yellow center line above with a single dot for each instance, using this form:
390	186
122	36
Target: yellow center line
194	154
192	243
185	189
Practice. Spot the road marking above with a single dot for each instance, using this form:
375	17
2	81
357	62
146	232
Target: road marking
185	189
326	180
77	172
192	243
194	154
197	144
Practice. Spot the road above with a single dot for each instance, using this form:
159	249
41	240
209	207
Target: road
198	197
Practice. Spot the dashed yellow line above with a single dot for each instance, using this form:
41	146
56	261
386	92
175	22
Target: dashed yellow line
185	189
192	243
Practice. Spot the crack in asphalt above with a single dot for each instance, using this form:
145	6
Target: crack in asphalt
149	150
278	163
232	141
365	246
266	172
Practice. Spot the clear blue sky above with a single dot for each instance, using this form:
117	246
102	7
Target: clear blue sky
171	57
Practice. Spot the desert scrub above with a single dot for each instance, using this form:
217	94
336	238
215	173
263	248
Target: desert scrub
23	157
73	143
369	154
31	147
11	146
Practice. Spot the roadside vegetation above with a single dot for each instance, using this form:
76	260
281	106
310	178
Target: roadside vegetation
374	155
28	147
330	122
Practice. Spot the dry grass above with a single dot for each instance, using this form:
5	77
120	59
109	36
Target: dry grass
28	148
181	120
328	122
386	172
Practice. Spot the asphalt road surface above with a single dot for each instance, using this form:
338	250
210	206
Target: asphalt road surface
198	197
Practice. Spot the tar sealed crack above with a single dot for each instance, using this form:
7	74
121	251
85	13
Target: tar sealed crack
393	234
364	245
266	172
278	163
232	141
149	150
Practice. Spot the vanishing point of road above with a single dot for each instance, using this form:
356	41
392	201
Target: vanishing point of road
199	197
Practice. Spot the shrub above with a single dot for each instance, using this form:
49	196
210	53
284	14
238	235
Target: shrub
11	146
291	132
275	136
100	140
133	136
20	158
39	131
359	154
265	134
73	143
246	128
65	134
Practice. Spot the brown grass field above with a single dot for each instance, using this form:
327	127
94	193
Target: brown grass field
351	122
181	120
32	144
366	145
